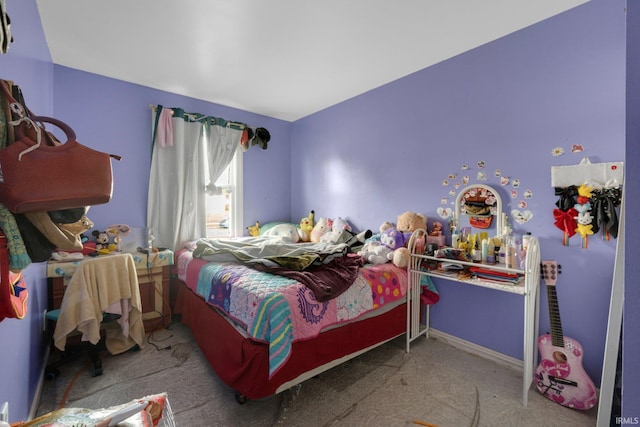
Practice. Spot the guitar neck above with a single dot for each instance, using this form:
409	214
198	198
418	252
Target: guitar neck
550	271
557	338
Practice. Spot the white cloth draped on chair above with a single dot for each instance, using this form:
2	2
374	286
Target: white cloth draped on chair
105	284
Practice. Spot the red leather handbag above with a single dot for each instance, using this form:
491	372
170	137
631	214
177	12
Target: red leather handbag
39	177
35	176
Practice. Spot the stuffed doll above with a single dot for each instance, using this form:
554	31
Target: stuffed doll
437	229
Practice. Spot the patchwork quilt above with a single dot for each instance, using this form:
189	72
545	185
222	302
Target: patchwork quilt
279	310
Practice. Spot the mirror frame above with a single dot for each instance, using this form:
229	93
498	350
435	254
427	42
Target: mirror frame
499	215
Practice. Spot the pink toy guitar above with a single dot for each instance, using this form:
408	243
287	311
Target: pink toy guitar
560	376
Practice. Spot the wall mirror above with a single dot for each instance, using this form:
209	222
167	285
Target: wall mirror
479	206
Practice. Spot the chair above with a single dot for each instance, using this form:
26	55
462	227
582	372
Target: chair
78	350
102	290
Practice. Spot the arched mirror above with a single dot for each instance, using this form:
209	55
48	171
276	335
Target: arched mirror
479	206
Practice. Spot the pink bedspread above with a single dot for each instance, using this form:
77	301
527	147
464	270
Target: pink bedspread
280	310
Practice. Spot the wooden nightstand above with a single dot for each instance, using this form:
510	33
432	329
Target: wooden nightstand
153	279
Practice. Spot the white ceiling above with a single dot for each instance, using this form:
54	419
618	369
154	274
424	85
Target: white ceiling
280	58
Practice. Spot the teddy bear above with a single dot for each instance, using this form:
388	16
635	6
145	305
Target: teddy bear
408	222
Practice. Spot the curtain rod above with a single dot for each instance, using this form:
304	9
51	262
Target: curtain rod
155	107
229	123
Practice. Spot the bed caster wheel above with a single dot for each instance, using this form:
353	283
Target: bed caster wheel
52	374
241	398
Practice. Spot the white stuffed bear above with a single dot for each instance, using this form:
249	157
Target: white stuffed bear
376	253
338	225
323	226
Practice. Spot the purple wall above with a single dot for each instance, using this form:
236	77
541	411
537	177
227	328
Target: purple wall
114	116
22	356
508	103
631	338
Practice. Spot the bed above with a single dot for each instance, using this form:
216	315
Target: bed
264	330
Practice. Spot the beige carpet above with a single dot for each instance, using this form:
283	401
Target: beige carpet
435	383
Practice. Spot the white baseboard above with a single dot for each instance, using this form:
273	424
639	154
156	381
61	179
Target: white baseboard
476	349
33	410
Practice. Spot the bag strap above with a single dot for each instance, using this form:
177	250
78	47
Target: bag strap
31	121
71	135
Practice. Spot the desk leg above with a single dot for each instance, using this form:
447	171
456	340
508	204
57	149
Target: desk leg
531	315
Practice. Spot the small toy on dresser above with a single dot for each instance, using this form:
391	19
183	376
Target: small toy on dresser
435	236
103	246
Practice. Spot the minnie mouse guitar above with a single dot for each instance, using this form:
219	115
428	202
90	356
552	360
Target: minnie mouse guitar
560	376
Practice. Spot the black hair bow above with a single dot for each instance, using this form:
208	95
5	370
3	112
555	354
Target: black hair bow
567	197
603	209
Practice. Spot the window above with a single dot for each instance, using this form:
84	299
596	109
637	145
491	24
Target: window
224	211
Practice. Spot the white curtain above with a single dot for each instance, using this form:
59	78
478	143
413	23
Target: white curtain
176	208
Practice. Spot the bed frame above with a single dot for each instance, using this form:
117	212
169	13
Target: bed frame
243	363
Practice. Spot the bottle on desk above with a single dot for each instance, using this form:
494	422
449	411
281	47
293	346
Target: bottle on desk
502	252
510	256
491	252
484	250
455	239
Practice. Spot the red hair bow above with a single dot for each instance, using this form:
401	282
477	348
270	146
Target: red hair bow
566	221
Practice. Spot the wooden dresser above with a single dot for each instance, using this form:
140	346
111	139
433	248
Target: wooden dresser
153	278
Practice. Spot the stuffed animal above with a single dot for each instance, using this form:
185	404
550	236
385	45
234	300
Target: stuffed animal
338	225
408	222
254	230
306	225
290	232
323	225
401	257
393	238
390	247
385	225
103	246
374	252
396	240
437	229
